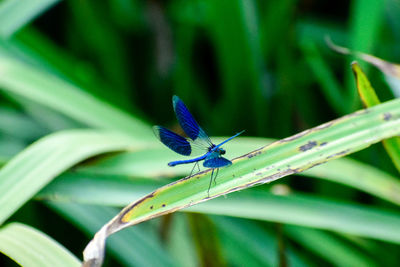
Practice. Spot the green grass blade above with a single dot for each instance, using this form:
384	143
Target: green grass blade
365	89
288	156
285	157
98	189
37	165
153	163
138	187
308	211
370	99
366	19
329	247
9	147
14	14
348	172
19	125
39	86
29	247
274	25
245	242
241	28
106	45
325	76
117	187
135	247
180	243
299	210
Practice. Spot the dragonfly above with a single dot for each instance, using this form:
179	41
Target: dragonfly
197	140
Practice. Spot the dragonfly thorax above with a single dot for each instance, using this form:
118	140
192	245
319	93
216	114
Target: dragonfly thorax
219	150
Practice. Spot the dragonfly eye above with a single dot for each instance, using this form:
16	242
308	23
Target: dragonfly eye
222	151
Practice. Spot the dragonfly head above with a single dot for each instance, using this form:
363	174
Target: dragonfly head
222	151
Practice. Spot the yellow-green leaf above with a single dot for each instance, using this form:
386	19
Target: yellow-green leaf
369	98
364	87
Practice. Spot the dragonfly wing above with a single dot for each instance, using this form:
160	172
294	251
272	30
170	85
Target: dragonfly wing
173	141
189	124
214	160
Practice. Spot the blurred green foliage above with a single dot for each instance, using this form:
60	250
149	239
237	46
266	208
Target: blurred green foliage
257	65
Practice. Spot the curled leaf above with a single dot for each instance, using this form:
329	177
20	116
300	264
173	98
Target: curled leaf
288	156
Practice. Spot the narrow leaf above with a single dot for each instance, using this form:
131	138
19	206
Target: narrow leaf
329	247
365	90
135	247
29	247
119	188
369	98
29	171
288	156
152	163
14	14
365	221
324	74
37	85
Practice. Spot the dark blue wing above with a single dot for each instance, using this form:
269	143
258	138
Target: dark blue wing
188	123
173	141
214	160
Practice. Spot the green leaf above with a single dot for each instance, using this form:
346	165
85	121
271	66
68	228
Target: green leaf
348	172
369	98
285	157
18	125
328	246
241	28
135	247
37	85
365	24
365	90
153	163
106	45
111	184
29	247
308	211
247	244
29	171
324	74
15	14
366	20
98	189
180	243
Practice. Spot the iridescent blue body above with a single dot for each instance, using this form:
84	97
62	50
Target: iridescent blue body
213	156
196	138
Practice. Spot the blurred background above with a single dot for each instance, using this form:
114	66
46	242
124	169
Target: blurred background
262	66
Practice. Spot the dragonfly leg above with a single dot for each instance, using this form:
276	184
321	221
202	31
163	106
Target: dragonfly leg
197	163
209	186
215	177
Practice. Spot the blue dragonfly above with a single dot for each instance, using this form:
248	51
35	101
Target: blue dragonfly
197	138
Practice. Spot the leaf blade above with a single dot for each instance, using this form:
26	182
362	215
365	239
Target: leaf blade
287	156
33	168
29	247
15	14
